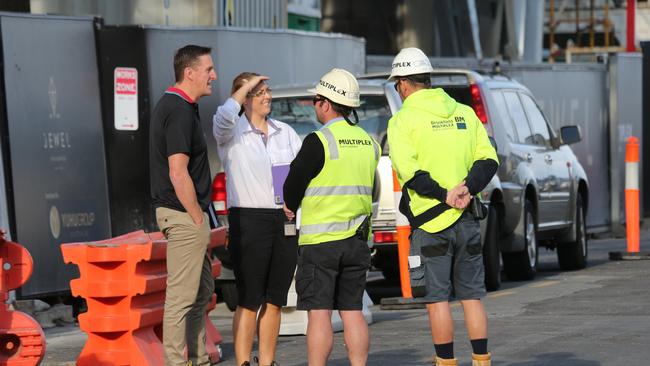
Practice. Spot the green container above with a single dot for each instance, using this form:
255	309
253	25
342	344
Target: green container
302	22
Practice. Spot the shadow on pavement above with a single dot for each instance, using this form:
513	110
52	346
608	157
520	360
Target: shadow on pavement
403	356
557	358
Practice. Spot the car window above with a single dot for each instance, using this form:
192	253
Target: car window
518	116
461	94
536	119
298	112
501	111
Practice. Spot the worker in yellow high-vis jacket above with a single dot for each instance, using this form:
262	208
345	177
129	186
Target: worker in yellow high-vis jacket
443	158
331	179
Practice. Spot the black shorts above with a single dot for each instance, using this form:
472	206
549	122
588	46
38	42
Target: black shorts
264	259
332	275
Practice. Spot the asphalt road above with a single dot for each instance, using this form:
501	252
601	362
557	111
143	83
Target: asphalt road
596	316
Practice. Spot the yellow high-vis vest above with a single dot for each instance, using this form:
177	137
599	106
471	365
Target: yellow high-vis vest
434	133
339	198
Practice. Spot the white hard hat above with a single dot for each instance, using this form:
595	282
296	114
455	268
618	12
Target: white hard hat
339	86
410	61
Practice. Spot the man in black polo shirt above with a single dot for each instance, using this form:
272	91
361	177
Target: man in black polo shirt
180	191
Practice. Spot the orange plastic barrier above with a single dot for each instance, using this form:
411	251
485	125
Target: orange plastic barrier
123	280
403	243
632	194
22	342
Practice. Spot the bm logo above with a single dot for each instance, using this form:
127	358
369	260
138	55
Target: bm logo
460	123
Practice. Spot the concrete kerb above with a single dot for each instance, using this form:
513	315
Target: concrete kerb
402	303
623	256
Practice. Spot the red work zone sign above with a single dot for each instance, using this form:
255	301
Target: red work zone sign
126	98
126	81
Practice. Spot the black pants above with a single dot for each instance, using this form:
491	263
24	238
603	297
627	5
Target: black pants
264	259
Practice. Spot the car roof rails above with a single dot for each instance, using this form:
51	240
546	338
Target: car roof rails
495	72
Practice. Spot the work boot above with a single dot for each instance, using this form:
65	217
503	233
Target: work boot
481	360
445	362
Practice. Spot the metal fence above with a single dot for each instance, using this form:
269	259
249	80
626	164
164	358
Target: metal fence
271	14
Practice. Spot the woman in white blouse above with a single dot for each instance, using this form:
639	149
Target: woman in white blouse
255	150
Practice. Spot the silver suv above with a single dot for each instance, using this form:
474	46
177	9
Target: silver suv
538	197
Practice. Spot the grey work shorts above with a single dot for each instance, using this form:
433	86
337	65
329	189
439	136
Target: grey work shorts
451	262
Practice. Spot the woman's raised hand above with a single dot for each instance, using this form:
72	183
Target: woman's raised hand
249	84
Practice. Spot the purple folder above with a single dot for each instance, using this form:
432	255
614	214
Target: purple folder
279	174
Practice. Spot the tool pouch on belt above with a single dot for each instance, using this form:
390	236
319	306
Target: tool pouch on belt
363	231
477	208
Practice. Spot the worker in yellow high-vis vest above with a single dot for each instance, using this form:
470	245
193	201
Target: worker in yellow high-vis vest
443	158
331	180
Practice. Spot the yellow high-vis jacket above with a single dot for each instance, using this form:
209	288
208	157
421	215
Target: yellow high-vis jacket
435	134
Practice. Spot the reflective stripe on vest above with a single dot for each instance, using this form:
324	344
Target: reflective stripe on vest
376	147
338	190
332	226
331	143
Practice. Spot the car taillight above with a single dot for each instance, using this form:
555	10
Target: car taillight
219	196
477	103
384	236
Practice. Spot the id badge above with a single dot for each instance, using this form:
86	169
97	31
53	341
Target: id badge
289	228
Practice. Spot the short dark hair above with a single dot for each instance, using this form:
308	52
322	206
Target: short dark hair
424	79
341	109
188	56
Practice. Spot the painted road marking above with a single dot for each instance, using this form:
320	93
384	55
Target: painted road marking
501	293
544	284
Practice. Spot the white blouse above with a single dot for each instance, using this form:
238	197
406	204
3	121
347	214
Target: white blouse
247	158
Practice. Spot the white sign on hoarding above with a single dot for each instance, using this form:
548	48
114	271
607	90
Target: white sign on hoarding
126	98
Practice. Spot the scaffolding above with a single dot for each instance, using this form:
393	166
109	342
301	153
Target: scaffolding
588	24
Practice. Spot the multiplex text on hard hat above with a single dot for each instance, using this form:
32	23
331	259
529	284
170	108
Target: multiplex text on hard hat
339	86
410	61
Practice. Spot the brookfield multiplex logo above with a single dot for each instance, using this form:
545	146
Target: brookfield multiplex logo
401	64
398	65
448	124
333	88
354	142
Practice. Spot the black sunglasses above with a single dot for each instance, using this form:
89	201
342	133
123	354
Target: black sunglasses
396	84
317	99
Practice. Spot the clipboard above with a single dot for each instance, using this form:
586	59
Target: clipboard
279	174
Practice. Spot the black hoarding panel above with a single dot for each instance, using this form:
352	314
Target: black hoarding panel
645	154
55	141
162	43
125	98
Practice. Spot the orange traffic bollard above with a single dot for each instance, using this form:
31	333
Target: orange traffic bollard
407	301
631	204
632	194
123	280
22	341
403	242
